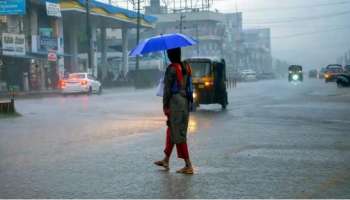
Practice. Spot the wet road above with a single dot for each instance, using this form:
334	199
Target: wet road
276	140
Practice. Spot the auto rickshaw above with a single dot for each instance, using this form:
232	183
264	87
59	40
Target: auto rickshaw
295	73
209	81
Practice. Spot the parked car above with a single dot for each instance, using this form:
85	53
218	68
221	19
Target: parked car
80	83
248	75
332	71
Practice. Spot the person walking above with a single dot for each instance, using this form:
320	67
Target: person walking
176	106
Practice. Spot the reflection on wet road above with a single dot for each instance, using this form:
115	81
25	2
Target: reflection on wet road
275	140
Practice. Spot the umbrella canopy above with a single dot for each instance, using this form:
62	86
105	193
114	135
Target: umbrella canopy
162	43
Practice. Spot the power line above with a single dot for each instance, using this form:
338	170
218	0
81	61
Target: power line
291	7
298	7
311	18
310	33
296	50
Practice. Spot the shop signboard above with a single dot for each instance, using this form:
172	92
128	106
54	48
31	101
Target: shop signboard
47	32
12	7
13	44
53	9
48	43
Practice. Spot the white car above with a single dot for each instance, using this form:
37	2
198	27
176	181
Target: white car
249	75
80	83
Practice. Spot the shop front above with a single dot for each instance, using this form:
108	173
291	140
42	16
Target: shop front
14	72
29	45
44	73
28	73
14	62
46	44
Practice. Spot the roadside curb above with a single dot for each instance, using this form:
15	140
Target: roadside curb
28	95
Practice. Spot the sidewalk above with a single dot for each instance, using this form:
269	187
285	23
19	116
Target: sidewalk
31	94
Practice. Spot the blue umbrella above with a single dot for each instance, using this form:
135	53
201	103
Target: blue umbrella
162	43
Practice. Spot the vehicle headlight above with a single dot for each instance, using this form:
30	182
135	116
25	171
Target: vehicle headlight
194	94
295	77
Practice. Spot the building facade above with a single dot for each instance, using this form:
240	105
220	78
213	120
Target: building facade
257	50
42	39
26	40
217	34
233	42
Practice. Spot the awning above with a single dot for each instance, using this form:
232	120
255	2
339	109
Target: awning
26	56
118	14
35	55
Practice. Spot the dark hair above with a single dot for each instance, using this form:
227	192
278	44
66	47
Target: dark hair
174	56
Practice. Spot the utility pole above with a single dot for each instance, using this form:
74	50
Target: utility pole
197	36
182	16
137	41
88	33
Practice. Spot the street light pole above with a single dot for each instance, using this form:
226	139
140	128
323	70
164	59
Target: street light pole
88	33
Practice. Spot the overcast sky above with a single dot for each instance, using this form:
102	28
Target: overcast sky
312	33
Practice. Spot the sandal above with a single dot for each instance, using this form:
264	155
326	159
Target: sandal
185	170
162	163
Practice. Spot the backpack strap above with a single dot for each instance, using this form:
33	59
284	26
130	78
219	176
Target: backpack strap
176	87
179	76
178	69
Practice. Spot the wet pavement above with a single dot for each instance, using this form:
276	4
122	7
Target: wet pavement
275	140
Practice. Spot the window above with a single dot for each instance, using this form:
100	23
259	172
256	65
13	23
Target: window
200	69
77	76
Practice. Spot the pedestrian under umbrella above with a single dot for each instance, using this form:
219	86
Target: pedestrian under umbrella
177	95
176	108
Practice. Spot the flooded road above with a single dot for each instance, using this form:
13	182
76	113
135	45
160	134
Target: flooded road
275	140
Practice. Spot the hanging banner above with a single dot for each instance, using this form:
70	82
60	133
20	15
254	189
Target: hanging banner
13	44
53	9
12	7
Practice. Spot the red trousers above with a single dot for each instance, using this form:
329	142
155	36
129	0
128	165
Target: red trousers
182	149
